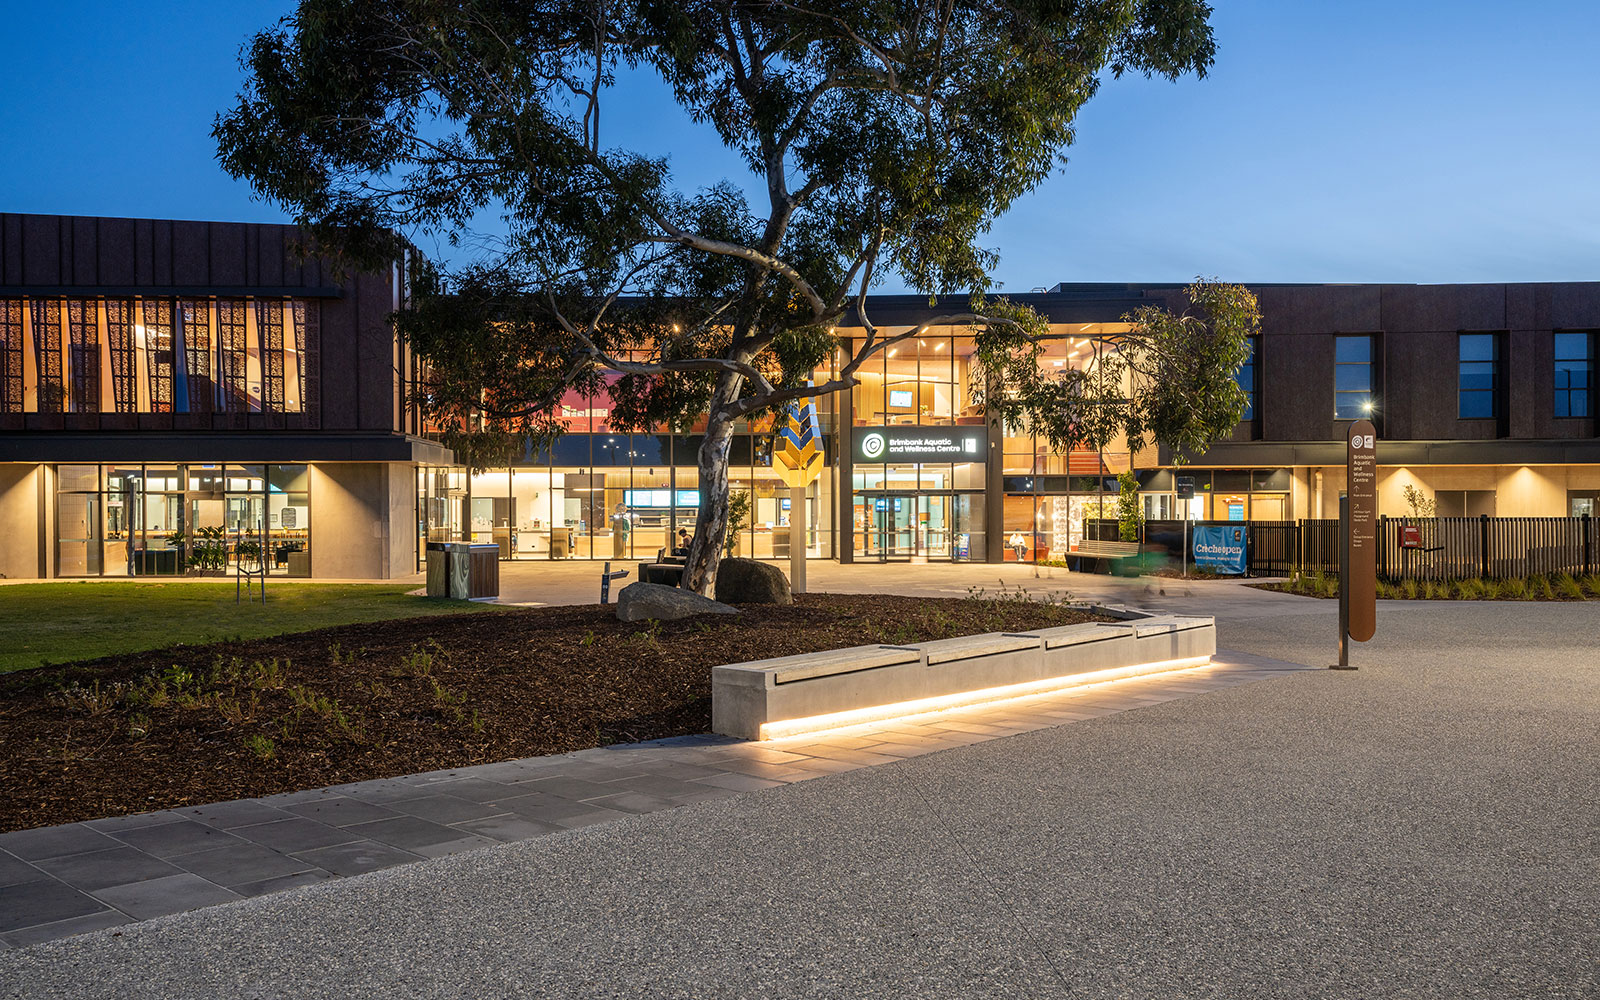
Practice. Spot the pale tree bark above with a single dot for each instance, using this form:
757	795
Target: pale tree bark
711	523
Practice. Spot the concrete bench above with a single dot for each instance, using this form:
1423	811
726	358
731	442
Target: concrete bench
1117	556
765	699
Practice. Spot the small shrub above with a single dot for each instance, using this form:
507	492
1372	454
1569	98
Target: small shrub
1569	588
1491	589
1409	590
261	746
1514	589
1546	590
138	726
92	700
178	677
449	702
230	709
417	663
268	676
1591	585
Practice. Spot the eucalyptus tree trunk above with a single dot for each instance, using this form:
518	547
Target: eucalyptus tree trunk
711	523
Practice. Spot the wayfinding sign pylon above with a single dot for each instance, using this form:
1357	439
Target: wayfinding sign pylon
1358	540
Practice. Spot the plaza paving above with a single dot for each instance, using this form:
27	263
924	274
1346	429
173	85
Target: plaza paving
1426	826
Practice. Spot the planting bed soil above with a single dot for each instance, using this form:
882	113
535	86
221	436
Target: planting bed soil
195	724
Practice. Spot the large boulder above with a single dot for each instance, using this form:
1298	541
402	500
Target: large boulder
639	601
746	581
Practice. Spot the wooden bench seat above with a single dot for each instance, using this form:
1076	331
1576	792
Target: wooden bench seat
1117	556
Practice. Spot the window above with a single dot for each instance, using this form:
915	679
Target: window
1246	377
1574	373
1352	378
1480	373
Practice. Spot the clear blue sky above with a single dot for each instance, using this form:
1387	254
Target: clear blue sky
1336	140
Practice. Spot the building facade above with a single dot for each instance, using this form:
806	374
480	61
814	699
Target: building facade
166	383
163	384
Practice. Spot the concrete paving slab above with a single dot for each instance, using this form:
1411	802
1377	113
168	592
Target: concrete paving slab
181	837
160	896
99	869
294	835
358	858
237	865
55	842
40	901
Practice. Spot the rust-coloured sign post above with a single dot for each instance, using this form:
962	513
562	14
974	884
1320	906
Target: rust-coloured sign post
1358	528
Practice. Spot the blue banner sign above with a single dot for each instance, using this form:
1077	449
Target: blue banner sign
1220	549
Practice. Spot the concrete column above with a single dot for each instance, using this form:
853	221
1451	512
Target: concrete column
363	520
24	532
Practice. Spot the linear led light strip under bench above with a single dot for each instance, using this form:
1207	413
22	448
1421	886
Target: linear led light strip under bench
906	710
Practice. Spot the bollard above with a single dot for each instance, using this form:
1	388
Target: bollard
606	576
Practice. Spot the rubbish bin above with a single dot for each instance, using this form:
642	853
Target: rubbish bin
463	572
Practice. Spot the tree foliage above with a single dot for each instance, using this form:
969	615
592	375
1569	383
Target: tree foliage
882	138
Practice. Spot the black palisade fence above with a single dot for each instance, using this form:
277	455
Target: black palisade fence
1444	548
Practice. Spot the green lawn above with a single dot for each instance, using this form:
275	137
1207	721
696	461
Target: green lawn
43	623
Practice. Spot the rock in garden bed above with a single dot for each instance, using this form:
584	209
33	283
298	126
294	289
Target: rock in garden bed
642	601
749	581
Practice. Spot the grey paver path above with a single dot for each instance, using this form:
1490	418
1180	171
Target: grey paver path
1424	827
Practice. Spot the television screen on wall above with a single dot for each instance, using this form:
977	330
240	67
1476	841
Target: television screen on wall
899	397
660	498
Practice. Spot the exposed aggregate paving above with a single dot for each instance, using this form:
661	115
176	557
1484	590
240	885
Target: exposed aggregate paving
1428	826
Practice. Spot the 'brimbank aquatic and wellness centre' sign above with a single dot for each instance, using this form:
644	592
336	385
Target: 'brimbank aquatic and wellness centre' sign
918	444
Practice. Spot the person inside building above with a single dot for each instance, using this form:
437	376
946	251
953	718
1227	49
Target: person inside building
1019	545
684	538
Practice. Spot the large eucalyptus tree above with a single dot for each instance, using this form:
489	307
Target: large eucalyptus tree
882	138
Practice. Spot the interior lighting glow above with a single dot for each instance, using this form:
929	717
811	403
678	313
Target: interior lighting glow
924	707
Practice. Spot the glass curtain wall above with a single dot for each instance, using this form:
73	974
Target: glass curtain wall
597	493
926	510
1062	488
168	520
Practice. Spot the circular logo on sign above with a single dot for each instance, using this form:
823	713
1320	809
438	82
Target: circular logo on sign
1355	442
872	445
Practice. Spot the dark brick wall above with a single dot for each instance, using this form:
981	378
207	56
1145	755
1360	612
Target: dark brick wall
1417	328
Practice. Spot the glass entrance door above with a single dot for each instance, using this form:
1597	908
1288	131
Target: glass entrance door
899	527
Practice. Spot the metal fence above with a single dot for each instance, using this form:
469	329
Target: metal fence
1446	548
1457	548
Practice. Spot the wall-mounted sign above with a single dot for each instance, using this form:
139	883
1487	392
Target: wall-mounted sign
1410	536
918	444
1221	548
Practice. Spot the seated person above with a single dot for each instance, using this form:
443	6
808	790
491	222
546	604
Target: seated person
684	538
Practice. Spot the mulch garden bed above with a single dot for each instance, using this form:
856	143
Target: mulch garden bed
190	725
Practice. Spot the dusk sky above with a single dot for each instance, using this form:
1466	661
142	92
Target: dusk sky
1333	142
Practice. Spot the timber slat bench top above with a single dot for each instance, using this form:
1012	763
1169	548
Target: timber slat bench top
970	646
787	669
1166	623
1106	549
1072	635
